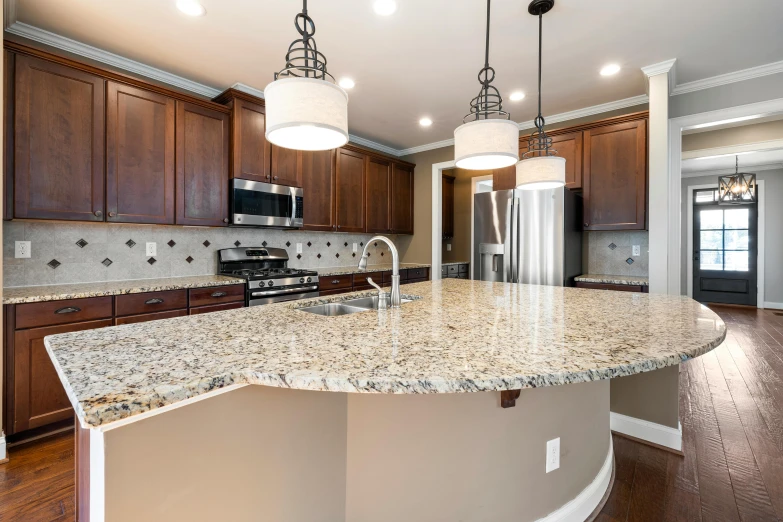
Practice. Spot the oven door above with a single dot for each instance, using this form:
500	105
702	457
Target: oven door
265	204
260	297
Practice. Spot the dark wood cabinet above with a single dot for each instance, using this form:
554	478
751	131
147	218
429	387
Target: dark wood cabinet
139	156
349	191
202	141
58	141
615	176
617	288
251	153
377	196
401	199
448	206
569	146
318	185
504	179
286	166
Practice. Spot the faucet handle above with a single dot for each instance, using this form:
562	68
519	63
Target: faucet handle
373	284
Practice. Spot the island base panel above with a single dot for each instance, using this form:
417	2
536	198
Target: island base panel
270	454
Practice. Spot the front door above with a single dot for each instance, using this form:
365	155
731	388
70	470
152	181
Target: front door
725	243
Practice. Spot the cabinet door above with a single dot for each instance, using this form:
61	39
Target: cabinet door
504	179
401	199
615	176
202	166
59	142
318	180
569	146
39	397
286	166
349	189
377	195
251	152
139	156
448	206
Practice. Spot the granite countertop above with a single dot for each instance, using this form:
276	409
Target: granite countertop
460	336
613	279
35	294
382	267
456	263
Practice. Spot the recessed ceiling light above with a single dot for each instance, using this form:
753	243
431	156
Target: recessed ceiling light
723	122
384	7
517	95
191	7
724	155
611	69
425	122
347	83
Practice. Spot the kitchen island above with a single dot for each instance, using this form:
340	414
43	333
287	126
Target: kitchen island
426	422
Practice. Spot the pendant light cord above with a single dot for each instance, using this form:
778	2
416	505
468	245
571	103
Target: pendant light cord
486	64
540	119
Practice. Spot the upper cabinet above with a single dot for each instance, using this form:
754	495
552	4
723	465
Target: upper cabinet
286	167
378	214
349	191
318	185
139	156
569	146
401	199
504	179
58	167
615	176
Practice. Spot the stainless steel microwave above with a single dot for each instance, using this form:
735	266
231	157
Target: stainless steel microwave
265	204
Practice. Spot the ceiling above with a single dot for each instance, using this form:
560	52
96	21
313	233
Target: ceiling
423	60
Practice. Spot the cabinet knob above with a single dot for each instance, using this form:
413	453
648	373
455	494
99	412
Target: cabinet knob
275	177
587	224
225	220
112	214
338	226
98	213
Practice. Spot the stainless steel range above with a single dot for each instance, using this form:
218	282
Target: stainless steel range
269	280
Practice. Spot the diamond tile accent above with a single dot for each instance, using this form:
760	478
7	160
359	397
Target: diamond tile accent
361	244
376	244
368	254
171	243
328	244
237	243
206	243
629	261
54	263
381	253
107	262
189	259
346	243
612	246
337	255
152	261
288	243
353	255
299	256
309	244
82	243
263	243
131	243
318	256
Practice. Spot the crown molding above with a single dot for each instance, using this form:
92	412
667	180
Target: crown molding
733	77
364	142
759	146
748	169
258	93
9	13
665	67
427	146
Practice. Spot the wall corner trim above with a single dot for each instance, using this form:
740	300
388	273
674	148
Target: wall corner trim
3	454
581	506
648	431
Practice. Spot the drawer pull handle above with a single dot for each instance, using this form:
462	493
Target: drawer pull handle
154	300
219	294
68	310
335	281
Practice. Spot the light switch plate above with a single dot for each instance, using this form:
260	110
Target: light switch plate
637	250
448	247
299	248
152	249
22	249
356	247
552	454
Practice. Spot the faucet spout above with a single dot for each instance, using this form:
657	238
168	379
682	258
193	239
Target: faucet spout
395	291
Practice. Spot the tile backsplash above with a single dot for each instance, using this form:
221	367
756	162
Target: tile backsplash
611	253
64	253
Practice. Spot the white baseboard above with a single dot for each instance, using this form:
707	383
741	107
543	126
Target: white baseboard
648	431
774	306
3	454
578	509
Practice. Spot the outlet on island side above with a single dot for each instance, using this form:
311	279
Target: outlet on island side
152	249
22	249
552	454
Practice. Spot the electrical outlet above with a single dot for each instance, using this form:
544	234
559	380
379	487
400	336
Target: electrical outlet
552	454
299	248
356	247
448	247
152	249
22	249
637	250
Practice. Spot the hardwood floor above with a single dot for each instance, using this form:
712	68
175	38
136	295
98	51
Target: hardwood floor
731	409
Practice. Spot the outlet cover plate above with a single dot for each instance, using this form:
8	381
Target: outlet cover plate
22	249
152	249
637	250
552	454
299	248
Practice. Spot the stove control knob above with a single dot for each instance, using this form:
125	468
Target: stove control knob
270	283
302	280
309	279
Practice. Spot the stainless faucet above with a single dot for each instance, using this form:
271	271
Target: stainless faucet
395	291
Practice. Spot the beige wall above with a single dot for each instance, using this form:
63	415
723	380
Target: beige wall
771	130
463	197
651	396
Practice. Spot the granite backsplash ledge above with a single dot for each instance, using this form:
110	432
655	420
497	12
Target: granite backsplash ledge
612	253
63	253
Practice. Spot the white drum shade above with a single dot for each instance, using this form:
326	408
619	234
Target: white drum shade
486	144
539	173
306	114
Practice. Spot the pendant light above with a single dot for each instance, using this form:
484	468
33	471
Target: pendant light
737	189
540	168
487	139
305	109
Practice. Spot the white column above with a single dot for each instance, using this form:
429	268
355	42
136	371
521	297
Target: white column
660	78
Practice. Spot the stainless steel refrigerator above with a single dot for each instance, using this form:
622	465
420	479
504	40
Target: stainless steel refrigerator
528	236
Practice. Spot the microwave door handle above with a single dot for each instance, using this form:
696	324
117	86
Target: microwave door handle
292	206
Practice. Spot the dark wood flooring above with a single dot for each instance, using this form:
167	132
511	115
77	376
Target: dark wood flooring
731	409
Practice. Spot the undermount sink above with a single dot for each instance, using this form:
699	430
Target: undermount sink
349	306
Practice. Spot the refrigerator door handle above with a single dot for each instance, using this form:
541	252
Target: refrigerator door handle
515	250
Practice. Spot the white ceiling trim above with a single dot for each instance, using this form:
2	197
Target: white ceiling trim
666	66
731	149
724	79
258	93
9	13
722	172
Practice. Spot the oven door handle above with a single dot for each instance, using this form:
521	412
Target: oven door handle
283	291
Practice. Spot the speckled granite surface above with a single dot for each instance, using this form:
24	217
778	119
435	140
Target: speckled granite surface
339	270
613	279
461	336
35	294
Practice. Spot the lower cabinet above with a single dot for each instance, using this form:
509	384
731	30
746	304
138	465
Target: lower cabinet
458	271
618	288
215	308
344	283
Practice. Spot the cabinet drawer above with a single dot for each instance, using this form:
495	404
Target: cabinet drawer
604	286
216	308
216	295
411	281
143	318
444	271
363	287
387	275
360	280
324	293
464	269
50	313
338	281
453	269
419	273
134	304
